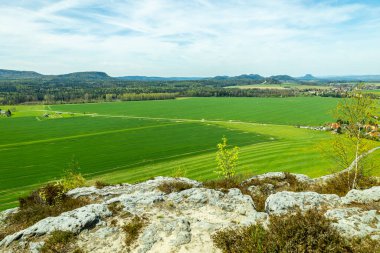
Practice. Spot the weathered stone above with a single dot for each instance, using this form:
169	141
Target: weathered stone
284	202
356	222
72	221
362	196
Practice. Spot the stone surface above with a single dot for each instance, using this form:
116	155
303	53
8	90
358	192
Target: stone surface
362	196
356	222
185	221
72	221
284	202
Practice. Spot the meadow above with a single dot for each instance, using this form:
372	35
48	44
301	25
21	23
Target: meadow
282	86
132	141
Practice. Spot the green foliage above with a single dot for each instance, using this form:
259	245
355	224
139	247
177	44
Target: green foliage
72	178
179	172
226	159
356	111
300	232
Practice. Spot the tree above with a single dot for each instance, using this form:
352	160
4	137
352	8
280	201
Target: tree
356	110
226	159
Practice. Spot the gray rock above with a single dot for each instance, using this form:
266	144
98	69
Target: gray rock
362	196
112	190
72	221
284	202
356	222
233	201
4	214
281	175
34	247
137	202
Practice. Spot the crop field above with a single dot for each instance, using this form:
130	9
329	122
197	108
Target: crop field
133	141
281	86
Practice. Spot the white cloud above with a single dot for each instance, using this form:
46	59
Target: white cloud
190	38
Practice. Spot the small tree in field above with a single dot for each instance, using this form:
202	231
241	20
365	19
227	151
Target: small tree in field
357	110
226	159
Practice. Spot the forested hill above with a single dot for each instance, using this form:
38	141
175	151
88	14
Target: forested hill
229	80
14	74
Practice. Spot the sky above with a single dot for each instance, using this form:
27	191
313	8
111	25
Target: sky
191	37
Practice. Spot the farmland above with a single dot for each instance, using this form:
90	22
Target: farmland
132	141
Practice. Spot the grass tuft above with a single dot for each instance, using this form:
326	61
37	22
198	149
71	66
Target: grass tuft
175	186
132	230
101	184
60	241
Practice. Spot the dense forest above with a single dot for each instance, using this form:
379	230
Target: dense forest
30	87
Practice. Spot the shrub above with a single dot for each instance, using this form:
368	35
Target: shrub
46	201
101	184
174	186
72	180
341	183
59	241
226	159
301	232
133	229
179	172
243	240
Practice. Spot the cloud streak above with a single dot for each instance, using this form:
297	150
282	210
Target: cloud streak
191	38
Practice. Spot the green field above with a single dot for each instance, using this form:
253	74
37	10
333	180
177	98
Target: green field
282	86
132	141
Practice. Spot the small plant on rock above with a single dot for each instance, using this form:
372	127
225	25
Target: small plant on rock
174	186
59	241
226	159
132	230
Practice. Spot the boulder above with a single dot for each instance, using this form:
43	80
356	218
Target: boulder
356	222
362	196
73	221
284	202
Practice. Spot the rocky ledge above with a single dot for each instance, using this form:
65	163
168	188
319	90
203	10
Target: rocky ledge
185	220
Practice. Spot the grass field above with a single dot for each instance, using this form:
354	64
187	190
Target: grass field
283	111
281	86
132	141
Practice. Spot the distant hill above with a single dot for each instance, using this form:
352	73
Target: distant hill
308	77
156	78
91	75
285	79
14	74
247	78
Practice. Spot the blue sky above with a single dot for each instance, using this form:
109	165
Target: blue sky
191	37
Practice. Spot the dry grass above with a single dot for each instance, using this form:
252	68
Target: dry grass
115	208
300	232
47	201
60	242
175	186
132	230
341	184
101	184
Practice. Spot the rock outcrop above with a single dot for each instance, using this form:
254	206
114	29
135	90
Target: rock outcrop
285	202
184	221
